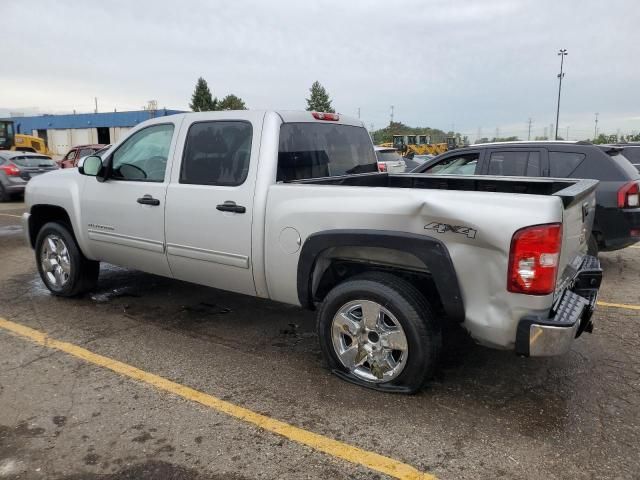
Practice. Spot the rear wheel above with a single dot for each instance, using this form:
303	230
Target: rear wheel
4	195
65	271
378	330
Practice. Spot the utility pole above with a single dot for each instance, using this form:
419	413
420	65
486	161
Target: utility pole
529	135
391	121
96	100
562	53
358	112
497	132
567	133
595	130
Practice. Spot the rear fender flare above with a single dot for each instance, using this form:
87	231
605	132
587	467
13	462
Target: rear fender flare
430	251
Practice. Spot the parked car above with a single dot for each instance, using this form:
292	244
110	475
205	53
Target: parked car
389	160
415	161
70	160
632	152
617	222
100	153
17	168
385	259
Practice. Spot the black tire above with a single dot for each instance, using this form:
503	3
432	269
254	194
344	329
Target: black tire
421	327
4	195
592	246
83	275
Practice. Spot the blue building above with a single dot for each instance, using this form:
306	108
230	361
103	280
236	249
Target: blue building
65	131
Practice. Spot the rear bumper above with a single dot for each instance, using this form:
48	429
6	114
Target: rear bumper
570	316
617	232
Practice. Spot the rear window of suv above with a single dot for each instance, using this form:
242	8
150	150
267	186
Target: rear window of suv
314	150
33	162
562	164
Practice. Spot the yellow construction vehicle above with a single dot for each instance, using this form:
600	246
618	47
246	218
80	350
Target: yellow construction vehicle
30	143
417	145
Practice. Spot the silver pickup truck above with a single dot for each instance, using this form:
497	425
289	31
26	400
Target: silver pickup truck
290	206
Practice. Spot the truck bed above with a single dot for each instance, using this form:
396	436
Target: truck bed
569	190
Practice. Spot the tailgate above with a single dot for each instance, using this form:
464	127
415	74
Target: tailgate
579	202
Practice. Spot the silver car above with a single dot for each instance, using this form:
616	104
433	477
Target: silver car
17	168
389	160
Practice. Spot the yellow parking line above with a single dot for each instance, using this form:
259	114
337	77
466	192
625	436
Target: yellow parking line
9	215
335	448
619	305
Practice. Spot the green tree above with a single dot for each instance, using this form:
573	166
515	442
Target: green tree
202	100
385	135
319	100
505	139
231	102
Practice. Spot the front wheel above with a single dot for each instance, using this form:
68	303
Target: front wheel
65	271
377	330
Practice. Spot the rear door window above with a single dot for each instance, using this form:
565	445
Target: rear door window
315	150
217	153
515	163
563	164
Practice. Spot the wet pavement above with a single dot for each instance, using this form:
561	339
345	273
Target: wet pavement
487	414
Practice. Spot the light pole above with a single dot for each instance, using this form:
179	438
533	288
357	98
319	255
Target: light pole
595	130
562	52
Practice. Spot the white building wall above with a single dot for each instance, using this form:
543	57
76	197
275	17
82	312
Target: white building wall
118	133
60	141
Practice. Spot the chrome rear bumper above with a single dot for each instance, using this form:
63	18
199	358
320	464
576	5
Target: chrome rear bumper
571	315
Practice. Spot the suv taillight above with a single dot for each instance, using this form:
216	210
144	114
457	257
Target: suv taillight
533	259
10	170
629	195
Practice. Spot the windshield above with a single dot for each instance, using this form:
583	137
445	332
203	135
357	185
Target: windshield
33	162
314	150
6	135
388	156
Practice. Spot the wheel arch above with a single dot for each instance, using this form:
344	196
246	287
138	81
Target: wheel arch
431	254
45	213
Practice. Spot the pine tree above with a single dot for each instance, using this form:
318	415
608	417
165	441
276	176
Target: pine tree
319	100
231	102
202	100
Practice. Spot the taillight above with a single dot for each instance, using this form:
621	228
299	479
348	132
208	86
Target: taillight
382	167
533	259
629	195
331	117
10	170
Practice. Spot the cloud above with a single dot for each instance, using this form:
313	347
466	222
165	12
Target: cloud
473	64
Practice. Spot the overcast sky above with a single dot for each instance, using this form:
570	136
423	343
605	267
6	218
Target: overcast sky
465	64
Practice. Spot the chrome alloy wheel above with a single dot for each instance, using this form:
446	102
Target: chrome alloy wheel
369	341
55	261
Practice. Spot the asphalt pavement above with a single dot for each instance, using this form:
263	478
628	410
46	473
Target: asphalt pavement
149	378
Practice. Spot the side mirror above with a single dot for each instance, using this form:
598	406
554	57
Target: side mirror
92	167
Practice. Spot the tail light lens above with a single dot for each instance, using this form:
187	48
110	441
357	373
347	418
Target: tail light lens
10	170
382	167
533	259
331	117
629	195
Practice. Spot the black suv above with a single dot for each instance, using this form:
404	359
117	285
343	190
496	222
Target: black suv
617	221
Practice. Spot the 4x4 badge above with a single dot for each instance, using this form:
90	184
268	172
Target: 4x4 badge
445	227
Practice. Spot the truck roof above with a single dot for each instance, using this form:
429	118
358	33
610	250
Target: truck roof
287	116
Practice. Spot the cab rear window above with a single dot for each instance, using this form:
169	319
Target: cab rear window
315	150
